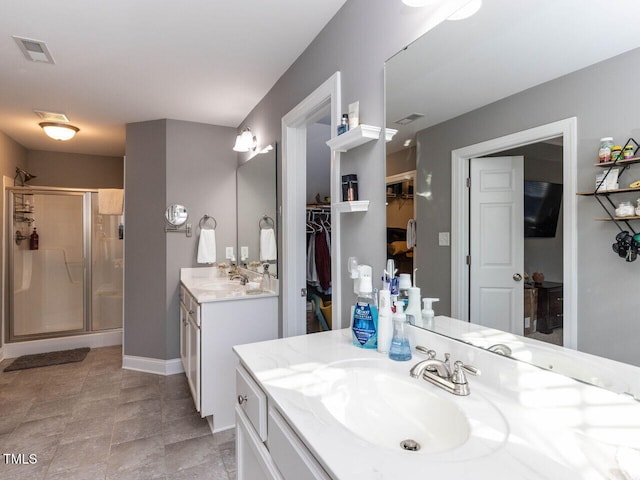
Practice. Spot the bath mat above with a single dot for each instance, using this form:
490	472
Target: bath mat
47	359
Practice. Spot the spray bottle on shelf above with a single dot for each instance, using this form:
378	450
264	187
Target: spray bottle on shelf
427	311
365	312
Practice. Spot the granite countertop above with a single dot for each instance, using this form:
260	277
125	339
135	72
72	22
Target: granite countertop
206	285
536	424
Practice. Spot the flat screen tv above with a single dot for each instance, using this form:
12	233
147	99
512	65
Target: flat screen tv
542	201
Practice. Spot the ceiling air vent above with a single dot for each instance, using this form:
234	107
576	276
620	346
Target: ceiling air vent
34	50
51	116
409	118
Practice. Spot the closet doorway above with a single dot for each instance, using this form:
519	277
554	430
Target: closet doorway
318	226
323	102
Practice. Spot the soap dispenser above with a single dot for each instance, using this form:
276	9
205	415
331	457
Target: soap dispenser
400	348
427	311
266	278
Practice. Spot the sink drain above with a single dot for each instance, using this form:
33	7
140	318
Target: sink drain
410	445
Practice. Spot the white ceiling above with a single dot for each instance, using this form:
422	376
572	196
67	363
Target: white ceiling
507	47
123	61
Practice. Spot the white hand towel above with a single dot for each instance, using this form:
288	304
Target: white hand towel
411	233
110	201
207	246
268	246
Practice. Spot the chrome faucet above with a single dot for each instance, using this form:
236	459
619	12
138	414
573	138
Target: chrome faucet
439	373
244	278
501	349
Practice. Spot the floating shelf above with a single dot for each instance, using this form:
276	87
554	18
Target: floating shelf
618	219
354	138
608	192
348	207
628	161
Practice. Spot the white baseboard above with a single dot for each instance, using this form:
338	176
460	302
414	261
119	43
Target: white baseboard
92	340
152	365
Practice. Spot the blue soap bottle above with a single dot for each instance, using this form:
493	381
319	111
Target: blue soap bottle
365	313
400	348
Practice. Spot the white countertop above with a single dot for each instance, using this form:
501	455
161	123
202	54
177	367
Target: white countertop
536	424
205	284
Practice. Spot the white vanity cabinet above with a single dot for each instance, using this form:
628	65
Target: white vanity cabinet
267	448
209	328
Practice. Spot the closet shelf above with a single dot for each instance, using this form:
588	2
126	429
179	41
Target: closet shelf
348	207
358	136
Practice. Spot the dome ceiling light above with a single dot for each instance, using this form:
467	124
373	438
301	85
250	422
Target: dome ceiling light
59	131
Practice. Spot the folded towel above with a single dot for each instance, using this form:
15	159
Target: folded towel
110	201
207	246
268	245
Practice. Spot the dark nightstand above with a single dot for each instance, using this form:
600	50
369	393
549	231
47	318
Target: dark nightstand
550	308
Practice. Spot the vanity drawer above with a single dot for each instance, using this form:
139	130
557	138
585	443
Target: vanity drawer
290	455
190	304
252	400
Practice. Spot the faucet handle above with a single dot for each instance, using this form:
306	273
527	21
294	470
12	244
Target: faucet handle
458	376
431	354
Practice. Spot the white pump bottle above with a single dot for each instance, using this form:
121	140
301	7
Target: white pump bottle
427	311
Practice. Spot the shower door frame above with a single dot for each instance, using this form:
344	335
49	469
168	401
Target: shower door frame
86	262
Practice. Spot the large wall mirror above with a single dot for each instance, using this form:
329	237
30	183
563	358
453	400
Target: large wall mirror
515	67
257	218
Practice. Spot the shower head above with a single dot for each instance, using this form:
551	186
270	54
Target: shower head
23	175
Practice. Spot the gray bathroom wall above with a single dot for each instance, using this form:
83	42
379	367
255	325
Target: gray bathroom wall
201	175
75	170
170	161
607	286
356	42
145	243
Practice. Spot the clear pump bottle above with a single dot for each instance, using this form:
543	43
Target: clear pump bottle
400	348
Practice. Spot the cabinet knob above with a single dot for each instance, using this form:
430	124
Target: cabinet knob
242	399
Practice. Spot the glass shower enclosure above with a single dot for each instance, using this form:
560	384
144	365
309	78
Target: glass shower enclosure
70	281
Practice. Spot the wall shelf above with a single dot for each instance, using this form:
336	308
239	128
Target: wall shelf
348	207
609	192
628	161
354	138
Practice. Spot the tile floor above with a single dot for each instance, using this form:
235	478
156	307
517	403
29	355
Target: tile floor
93	420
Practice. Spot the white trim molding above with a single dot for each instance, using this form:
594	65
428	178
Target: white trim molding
294	140
92	340
567	129
152	365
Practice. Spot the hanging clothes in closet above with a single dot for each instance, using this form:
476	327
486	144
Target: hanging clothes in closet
319	249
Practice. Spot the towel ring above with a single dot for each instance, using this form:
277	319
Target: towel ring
203	223
266	222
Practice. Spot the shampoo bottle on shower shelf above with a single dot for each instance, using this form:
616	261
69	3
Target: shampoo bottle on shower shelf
365	313
34	240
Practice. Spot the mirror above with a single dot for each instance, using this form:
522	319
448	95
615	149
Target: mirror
257	214
511	67
176	215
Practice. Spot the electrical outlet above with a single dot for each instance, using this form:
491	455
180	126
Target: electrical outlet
244	253
229	252
443	239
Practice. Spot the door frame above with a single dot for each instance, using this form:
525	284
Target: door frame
460	159
294	144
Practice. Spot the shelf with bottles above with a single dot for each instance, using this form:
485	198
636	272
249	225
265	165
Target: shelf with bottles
358	136
23	208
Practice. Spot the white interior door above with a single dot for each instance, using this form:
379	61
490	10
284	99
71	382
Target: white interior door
497	243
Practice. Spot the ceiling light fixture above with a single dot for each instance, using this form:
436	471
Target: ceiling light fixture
245	141
59	131
467	11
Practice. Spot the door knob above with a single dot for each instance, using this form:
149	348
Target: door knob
517	277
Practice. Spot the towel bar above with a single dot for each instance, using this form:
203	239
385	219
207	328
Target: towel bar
203	222
268	222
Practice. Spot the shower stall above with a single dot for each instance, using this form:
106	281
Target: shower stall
68	280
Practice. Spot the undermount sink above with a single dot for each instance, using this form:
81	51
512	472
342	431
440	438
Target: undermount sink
385	409
222	286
